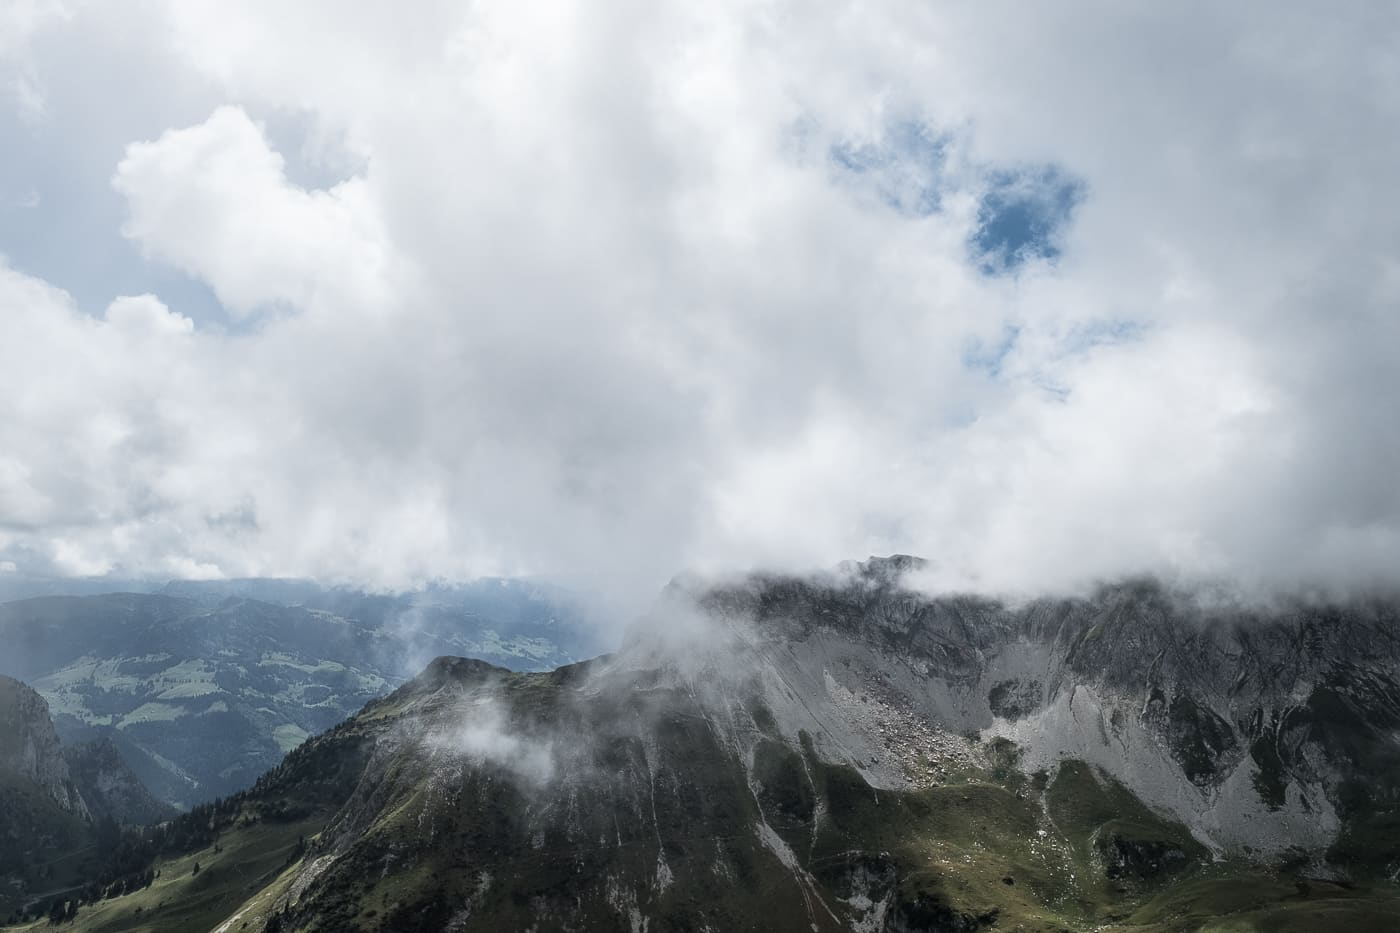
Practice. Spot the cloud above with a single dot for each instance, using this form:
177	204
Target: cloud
146	315
20	22
214	201
484	735
605	293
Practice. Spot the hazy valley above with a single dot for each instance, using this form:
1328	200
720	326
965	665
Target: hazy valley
204	687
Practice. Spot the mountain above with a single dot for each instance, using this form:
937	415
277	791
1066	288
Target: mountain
58	806
203	691
110	788
842	752
30	750
1261	729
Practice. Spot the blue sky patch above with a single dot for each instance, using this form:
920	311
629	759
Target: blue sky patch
1020	217
1021	212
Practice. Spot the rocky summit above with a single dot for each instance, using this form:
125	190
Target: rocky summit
842	752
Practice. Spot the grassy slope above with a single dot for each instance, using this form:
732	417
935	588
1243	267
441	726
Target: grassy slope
250	859
962	842
1242	899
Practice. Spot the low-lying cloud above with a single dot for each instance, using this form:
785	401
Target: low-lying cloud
483	736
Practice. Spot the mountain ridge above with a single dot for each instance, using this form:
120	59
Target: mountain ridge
1148	664
843	752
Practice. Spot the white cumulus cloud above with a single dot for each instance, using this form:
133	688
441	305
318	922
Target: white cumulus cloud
213	200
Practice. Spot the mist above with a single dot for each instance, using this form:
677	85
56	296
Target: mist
483	736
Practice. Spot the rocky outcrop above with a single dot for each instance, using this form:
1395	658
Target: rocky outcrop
1263	728
110	788
29	747
1127	857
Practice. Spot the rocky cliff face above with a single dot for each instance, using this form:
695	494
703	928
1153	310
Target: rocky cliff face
110	788
30	750
43	817
1263	730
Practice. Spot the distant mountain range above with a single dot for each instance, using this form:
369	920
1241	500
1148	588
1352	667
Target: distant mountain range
840	752
206	685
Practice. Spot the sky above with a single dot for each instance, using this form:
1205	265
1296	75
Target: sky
386	294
